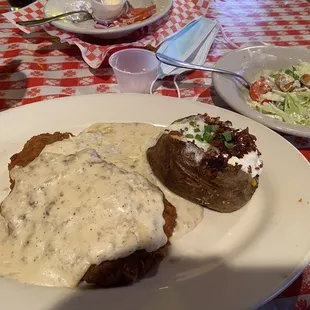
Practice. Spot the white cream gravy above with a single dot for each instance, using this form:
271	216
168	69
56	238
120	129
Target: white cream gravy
125	145
67	212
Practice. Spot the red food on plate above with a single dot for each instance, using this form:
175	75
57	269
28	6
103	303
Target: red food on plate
265	101
137	15
259	88
133	15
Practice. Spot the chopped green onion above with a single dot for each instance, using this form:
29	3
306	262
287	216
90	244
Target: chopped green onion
211	128
199	138
181	131
186	128
292	74
192	123
208	128
229	145
207	136
196	130
227	136
189	136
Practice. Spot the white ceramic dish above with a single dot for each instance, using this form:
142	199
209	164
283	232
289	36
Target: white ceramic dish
229	262
104	12
54	7
250	62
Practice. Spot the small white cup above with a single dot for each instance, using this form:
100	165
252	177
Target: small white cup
135	69
106	12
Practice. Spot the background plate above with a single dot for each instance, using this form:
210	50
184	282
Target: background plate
54	7
250	62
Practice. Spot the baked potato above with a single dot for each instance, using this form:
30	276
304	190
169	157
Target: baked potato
208	162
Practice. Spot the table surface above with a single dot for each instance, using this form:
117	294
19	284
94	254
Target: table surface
36	66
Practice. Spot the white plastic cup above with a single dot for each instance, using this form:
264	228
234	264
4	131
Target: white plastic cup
135	69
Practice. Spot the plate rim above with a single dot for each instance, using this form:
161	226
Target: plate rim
290	129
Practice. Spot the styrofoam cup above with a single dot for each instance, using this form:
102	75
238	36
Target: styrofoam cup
135	69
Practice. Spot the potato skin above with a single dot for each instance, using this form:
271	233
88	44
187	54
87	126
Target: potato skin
211	183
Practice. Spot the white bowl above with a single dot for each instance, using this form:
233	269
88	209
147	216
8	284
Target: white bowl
106	12
250	62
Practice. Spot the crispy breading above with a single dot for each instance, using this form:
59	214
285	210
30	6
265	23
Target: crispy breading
118	272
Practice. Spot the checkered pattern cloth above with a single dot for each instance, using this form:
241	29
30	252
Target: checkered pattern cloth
38	67
182	13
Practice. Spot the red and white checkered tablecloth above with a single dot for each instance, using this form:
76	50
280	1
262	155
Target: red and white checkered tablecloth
36	66
182	13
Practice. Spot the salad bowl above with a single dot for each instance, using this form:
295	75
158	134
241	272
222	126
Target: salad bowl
287	112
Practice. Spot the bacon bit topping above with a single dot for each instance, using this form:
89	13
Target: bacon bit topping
220	135
175	133
221	139
234	142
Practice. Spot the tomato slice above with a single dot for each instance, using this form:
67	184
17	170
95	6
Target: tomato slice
258	88
265	101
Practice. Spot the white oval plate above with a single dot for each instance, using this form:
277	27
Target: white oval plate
55	7
250	62
229	262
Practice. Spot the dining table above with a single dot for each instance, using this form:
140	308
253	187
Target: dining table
37	66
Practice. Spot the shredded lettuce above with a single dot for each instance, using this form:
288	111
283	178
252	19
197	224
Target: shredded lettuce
294	110
290	107
274	111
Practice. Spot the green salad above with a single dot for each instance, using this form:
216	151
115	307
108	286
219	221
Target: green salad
284	94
